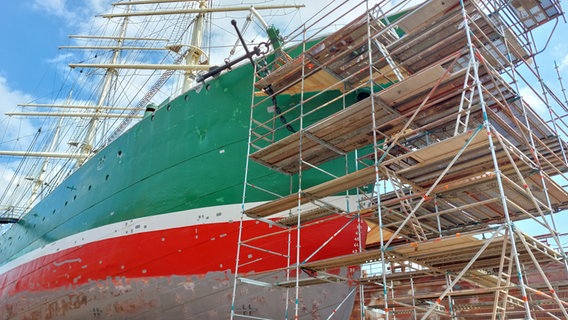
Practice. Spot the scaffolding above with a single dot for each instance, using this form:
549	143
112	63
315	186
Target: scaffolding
413	122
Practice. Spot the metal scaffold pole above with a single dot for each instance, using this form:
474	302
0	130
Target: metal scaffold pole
488	129
240	235
299	192
376	166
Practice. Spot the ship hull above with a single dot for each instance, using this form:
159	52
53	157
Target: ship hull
177	265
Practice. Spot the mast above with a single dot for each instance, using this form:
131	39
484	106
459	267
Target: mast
38	181
86	147
194	55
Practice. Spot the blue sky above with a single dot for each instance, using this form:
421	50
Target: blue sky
33	29
32	32
28	36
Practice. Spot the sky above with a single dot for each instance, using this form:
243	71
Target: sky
30	64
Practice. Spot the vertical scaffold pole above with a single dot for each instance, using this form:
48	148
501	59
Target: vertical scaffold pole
362	310
414	314
487	125
376	164
243	201
563	90
300	168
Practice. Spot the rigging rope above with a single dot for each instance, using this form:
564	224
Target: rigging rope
10	187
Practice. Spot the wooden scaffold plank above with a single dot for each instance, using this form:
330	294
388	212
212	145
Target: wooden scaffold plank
350	128
349	181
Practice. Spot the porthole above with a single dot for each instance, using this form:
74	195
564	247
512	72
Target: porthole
208	87
107	176
363	95
119	153
186	98
169	107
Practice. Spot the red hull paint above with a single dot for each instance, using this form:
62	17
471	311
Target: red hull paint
193	250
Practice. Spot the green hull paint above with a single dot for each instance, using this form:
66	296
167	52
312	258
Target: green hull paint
190	154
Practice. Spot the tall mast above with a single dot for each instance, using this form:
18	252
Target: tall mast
195	52
39	180
110	74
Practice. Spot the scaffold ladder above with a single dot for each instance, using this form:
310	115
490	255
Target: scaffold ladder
503	280
466	101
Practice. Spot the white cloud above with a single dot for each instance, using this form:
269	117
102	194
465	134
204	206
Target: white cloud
56	8
563	65
533	100
13	130
71	12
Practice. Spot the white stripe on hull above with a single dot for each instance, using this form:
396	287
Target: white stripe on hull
201	216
